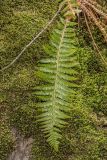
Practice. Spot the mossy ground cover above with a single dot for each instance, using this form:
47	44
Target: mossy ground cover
84	138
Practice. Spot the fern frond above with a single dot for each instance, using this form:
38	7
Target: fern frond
59	72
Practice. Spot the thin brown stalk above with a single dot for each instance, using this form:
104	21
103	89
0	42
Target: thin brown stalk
97	23
94	43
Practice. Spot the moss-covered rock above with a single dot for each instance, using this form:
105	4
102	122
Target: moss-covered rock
84	138
20	21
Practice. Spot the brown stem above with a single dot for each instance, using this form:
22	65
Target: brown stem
97	23
94	43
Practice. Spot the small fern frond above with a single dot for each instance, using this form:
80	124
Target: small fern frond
59	73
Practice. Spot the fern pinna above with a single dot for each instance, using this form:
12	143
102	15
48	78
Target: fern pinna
59	72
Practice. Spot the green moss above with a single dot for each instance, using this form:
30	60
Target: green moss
6	141
94	90
20	21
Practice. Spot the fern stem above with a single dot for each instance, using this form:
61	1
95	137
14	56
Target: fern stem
57	66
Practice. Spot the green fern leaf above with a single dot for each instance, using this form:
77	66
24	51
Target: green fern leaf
59	72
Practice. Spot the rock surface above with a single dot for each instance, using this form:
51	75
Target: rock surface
22	147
